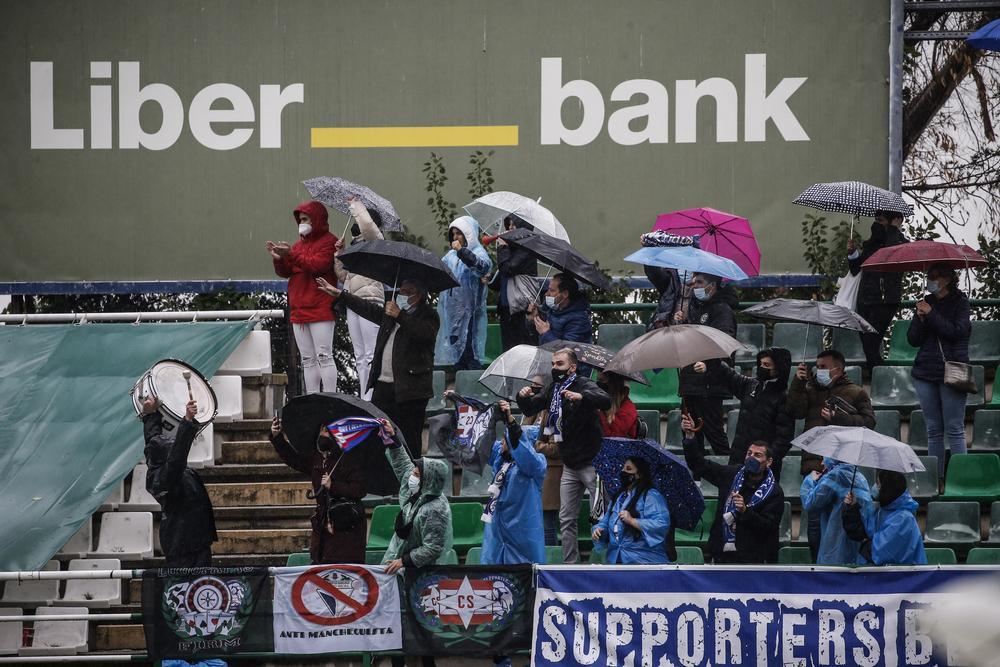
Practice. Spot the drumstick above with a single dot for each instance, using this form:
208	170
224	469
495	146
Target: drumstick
187	378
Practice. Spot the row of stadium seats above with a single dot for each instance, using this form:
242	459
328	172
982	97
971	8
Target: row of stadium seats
92	593
49	638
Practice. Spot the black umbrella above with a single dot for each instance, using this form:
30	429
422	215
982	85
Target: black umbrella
392	262
558	253
593	355
303	416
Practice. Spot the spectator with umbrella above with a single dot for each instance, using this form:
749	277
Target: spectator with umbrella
461	340
886	530
516	288
703	392
312	316
566	313
574	425
822	494
635	528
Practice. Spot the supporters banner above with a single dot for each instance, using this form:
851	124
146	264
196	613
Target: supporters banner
336	609
711	615
201	612
468	610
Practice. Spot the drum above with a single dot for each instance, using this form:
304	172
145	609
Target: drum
173	383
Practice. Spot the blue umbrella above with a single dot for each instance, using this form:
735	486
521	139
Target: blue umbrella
987	37
671	476
687	258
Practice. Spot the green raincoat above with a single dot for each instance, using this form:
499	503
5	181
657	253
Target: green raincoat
431	536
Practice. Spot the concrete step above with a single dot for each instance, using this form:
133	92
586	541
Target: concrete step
259	494
249	451
262	541
236	472
127	637
243	429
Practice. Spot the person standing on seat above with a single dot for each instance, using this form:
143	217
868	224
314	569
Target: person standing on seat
635	528
703	392
461	340
336	478
402	368
312	316
940	330
574	425
879	293
566	313
366	227
187	526
822	494
516	288
886	530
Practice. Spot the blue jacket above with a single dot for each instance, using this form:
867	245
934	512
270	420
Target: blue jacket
948	323
516	534
895	535
571	323
623	546
825	499
463	308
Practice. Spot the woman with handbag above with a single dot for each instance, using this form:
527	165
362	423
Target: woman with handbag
941	374
339	525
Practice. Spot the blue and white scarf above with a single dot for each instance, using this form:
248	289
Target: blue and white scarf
496	488
729	515
553	426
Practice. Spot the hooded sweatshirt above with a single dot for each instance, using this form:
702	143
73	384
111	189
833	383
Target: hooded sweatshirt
428	510
311	257
716	312
462	309
825	499
762	406
894	533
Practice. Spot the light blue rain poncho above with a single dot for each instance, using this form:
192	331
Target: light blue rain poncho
465	304
516	534
825	499
623	546
895	535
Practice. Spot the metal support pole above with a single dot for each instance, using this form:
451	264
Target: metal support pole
896	15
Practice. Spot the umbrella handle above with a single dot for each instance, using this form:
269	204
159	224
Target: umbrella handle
852	479
343	234
541	288
687	413
805	343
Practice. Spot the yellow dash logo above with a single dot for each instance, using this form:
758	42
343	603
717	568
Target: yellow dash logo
412	137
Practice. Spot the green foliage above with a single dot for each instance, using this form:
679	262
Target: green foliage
481	176
825	250
443	211
988	276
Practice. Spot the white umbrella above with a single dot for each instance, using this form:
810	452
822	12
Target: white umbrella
860	446
492	208
676	346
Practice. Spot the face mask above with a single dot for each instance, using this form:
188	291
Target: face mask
878	230
550	301
558	374
763	374
701	293
355	230
823	377
751	466
403	301
305	229
875	491
626	479
413	484
932	286
324	444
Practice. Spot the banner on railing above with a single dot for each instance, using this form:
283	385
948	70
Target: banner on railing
468	610
740	616
199	612
336	609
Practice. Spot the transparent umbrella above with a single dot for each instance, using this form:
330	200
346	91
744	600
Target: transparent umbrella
520	366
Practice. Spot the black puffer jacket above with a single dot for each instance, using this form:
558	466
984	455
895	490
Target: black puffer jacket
762	407
581	425
187	524
949	324
716	312
876	286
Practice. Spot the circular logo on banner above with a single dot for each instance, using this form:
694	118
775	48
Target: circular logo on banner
334	595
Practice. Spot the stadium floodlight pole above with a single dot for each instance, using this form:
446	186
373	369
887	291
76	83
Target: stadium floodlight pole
896	16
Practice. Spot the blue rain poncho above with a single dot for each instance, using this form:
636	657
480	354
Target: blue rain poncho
825	499
465	304
623	547
516	534
895	535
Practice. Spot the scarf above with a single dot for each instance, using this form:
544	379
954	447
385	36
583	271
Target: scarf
553	426
729	516
499	480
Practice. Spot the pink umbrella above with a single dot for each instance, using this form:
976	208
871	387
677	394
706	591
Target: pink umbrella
722	233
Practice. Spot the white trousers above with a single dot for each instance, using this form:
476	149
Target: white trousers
363	334
315	342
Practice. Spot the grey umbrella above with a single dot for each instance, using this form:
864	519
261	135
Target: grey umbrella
336	192
808	313
673	347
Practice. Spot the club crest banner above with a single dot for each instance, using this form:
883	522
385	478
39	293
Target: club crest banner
190	613
336	609
468	610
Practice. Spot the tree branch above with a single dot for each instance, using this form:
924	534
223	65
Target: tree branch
924	187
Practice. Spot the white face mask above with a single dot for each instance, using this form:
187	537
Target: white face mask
305	229
550	301
413	484
700	293
823	377
403	301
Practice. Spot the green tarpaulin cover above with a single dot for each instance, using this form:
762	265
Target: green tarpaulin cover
68	431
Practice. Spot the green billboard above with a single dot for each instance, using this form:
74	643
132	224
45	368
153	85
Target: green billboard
168	140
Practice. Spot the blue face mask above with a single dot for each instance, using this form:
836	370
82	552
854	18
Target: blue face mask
751	466
932	286
403	301
701	293
823	377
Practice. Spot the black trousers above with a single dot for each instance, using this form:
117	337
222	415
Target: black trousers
514	329
879	315
408	416
200	558
709	410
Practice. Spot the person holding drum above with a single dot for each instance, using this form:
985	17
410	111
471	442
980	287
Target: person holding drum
312	315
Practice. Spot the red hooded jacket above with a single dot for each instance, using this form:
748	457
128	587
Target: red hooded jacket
311	258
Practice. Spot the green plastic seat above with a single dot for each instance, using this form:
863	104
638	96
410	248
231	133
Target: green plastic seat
494	346
298	559
892	387
660	395
901	353
995	398
923	486
475	486
467	525
986	430
690	556
674	435
652	421
597	557
791	478
785	527
732	419
382	526
751	335
887	423
473	556
979	398
450	557
800	427
794	556
437	403
553	555
848	343
952	522
941	556
973	477
984	343
853	374
802	537
917	438
616	336
994	522
374	556
709	490
467	385
793	337
983	556
699	535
